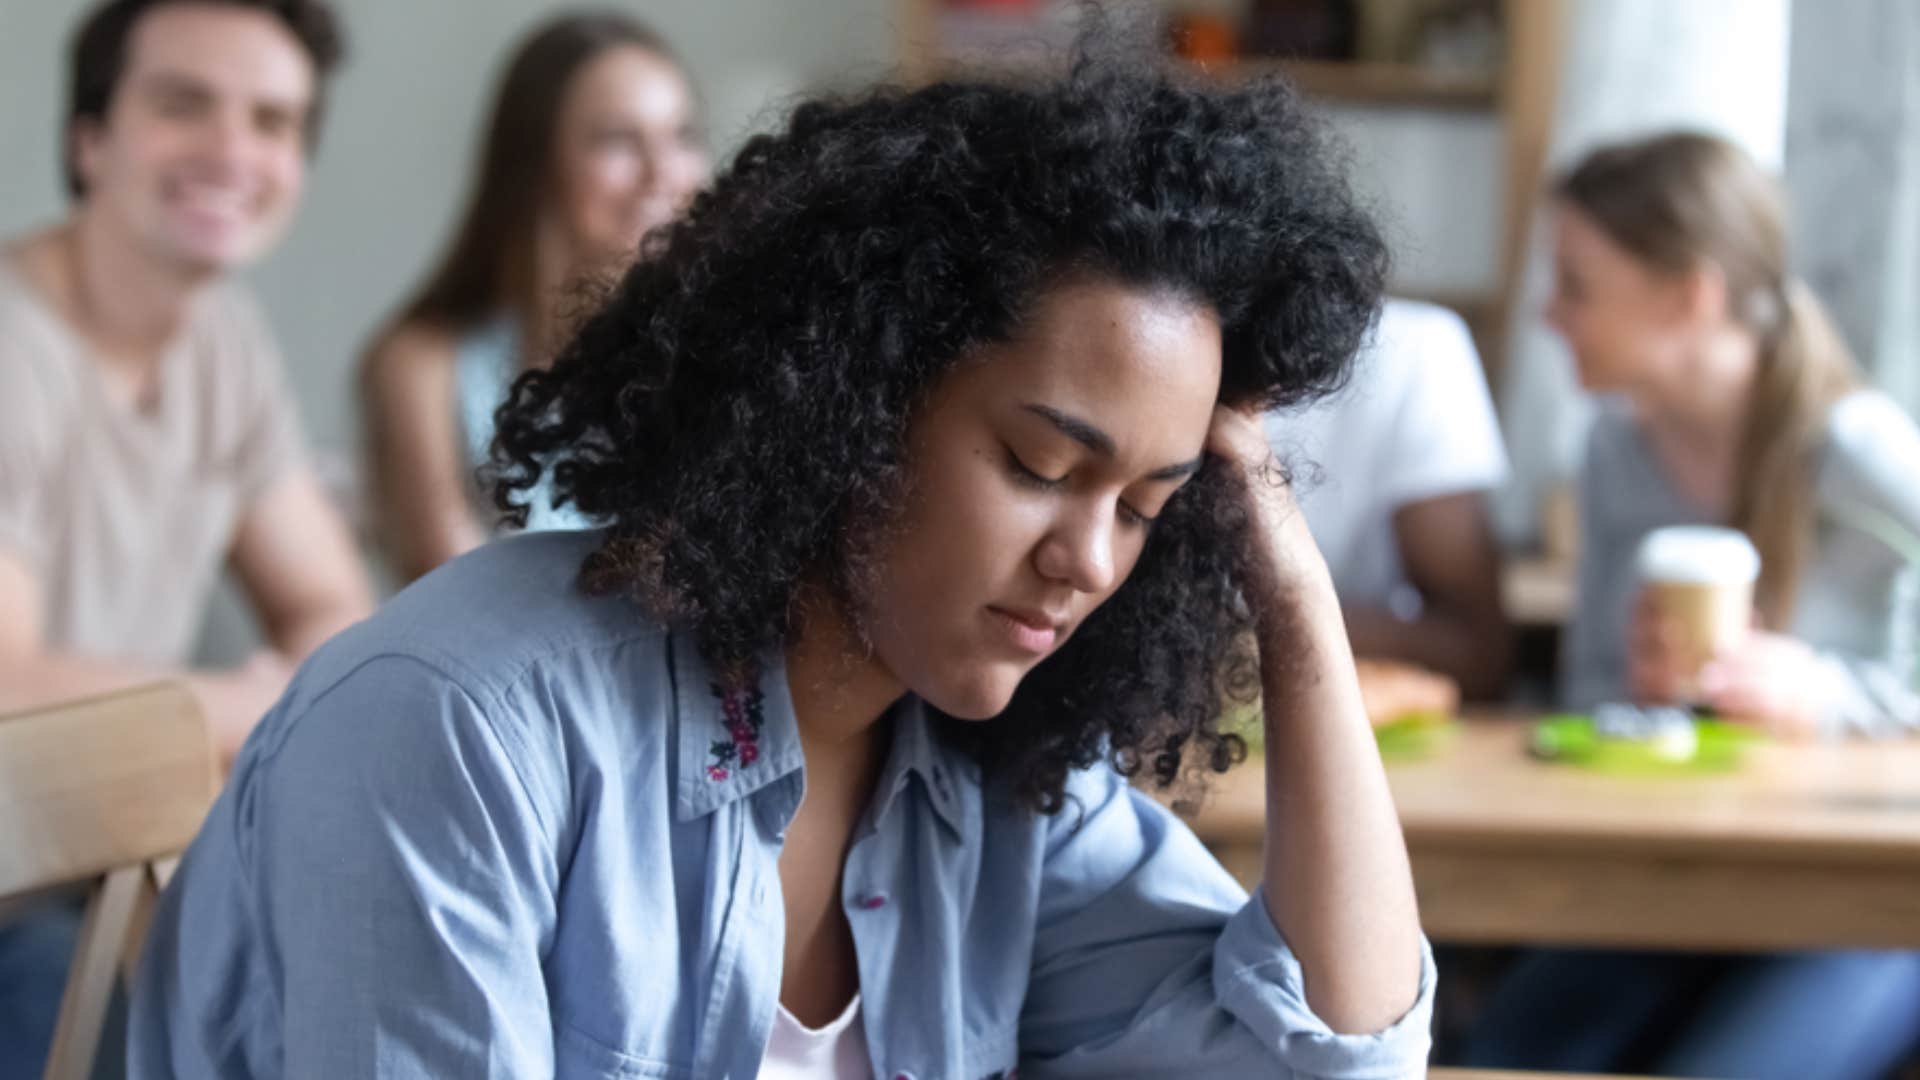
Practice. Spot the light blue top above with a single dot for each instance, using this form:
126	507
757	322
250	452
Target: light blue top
485	363
1858	604
505	829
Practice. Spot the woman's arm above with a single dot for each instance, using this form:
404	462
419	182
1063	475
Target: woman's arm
1149	961
415	457
1866	491
1337	882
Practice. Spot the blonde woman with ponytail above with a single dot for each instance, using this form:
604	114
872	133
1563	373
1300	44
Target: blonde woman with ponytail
1733	402
1730	400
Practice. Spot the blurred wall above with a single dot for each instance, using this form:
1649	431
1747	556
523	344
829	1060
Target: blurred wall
1436	178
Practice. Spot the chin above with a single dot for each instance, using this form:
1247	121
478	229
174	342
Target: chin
977	695
219	256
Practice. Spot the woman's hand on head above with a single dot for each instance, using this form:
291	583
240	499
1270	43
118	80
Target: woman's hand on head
1279	543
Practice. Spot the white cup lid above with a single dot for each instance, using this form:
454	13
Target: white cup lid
1698	555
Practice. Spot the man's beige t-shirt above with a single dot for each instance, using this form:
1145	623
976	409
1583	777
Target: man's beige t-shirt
125	514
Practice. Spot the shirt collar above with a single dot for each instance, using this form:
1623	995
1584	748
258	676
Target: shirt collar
918	751
734	739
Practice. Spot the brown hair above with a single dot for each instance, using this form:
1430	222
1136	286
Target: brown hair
489	264
1676	201
99	58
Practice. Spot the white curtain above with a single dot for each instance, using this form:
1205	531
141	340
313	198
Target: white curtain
1629	68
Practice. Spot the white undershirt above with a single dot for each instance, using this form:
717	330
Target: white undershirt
835	1052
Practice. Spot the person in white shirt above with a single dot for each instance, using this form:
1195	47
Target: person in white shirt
1393	472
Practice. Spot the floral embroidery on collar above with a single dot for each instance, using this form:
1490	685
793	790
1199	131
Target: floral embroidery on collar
741	708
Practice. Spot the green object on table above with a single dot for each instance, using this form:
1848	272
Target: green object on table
1415	736
1717	746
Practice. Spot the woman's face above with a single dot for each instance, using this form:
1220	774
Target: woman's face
628	157
1623	320
1035	471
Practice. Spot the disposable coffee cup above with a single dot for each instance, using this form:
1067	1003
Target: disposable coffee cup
1699	581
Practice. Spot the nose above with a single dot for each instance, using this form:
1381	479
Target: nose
1078	550
228	141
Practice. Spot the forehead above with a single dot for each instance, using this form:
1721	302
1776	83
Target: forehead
1145	364
225	48
629	81
1580	239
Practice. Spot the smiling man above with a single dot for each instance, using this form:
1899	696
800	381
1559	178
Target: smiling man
146	434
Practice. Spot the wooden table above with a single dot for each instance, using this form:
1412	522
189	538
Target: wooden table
1501	1074
1805	847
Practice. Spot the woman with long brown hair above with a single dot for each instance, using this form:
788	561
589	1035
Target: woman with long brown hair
593	141
1737	404
1733	402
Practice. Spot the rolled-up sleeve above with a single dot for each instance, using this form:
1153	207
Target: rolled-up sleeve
1150	961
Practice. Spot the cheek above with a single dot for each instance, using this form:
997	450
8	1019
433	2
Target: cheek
689	171
594	184
288	169
968	529
149	153
966	541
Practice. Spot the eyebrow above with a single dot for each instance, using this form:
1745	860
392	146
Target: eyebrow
1101	443
173	81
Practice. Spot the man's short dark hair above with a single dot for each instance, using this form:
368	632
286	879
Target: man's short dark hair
99	59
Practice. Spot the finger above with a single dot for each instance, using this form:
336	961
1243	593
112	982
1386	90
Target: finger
1237	436
1737	701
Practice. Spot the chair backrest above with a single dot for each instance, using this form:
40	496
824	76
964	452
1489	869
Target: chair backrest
101	793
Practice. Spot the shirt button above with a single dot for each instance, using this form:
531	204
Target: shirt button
873	901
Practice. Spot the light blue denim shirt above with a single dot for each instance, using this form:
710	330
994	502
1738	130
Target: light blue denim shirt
506	829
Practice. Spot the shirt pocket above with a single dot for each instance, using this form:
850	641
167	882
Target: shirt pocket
579	1055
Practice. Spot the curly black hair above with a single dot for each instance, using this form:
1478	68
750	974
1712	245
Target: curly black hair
736	407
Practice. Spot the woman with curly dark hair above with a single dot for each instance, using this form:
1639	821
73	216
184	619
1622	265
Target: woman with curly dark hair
938	506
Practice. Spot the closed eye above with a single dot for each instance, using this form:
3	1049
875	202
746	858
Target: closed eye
1028	477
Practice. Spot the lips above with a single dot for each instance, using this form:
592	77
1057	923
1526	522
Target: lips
1029	629
214	203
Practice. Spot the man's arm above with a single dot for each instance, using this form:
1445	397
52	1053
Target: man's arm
1448	549
32	674
297	561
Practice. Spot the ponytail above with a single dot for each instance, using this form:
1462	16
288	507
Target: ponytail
1805	368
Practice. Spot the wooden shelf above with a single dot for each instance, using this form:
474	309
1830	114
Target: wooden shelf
1369	83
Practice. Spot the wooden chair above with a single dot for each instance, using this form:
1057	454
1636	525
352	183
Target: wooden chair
100	794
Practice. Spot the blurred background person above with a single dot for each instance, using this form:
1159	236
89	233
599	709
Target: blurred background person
146	435
593	139
1733	403
1395	471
